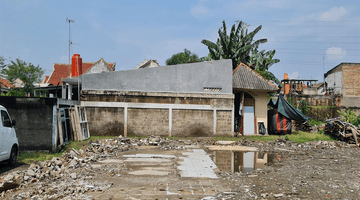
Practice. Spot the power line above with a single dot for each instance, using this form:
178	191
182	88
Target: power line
315	53
317	42
315	37
316	49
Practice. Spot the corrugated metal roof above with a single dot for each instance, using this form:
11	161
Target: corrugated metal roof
246	78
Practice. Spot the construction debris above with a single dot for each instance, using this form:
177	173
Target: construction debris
342	131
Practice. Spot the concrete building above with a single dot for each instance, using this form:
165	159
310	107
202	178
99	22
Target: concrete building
344	80
250	90
183	100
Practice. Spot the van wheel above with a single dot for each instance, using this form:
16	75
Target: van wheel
13	156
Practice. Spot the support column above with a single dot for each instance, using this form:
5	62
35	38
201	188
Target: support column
69	91
125	121
170	121
214	111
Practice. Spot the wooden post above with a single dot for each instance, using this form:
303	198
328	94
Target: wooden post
242	111
60	127
77	124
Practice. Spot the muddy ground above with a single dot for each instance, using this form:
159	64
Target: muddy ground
283	170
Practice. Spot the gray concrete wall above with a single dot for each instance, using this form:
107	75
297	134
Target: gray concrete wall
34	121
351	102
334	80
175	78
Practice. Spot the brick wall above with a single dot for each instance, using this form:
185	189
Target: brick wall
351	79
223	120
105	121
192	123
148	122
192	114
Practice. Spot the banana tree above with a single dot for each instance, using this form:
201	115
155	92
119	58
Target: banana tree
236	46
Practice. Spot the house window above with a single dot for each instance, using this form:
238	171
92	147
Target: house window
212	89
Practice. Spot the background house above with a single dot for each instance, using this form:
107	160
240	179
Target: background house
344	80
147	64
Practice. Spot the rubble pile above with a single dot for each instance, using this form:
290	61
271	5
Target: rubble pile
64	176
343	131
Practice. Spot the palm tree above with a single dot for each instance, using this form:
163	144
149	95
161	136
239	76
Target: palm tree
262	61
237	46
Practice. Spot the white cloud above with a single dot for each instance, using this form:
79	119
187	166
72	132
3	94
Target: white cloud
334	14
335	53
294	75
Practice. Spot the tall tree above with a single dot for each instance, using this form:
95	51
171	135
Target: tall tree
237	46
26	72
262	61
182	57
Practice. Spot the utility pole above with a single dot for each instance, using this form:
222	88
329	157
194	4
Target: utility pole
69	20
324	74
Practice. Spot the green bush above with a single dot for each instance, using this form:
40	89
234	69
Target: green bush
313	122
350	117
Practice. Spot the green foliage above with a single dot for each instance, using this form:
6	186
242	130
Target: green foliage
183	57
350	117
26	72
304	107
313	122
262	61
15	93
236	46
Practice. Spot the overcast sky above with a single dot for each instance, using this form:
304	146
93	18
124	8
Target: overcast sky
304	33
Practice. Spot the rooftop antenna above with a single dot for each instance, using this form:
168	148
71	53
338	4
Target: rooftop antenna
69	20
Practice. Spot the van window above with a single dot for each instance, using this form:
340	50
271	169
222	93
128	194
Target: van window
5	119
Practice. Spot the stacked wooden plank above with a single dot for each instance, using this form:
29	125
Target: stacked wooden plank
77	123
343	131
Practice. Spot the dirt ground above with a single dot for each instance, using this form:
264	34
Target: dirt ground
316	170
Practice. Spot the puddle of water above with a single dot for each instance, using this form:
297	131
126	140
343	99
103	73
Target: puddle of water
243	161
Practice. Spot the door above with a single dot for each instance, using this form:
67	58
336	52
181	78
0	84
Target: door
6	135
249	120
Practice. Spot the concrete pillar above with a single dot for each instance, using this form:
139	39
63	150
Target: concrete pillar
125	121
214	112
63	91
170	121
69	91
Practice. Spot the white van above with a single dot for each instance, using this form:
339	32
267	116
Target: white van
9	146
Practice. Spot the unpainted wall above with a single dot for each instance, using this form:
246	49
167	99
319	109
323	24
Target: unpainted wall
351	79
149	113
144	122
105	121
196	123
186	78
34	121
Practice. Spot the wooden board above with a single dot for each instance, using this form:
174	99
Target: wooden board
60	128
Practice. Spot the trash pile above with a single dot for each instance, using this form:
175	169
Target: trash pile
342	131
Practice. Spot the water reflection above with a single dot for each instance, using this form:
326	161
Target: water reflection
243	161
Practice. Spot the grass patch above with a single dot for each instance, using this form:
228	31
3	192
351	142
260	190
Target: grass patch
296	136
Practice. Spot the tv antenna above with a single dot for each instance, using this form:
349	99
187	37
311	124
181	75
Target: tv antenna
69	21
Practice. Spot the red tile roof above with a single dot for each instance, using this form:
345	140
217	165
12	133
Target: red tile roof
62	71
5	83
